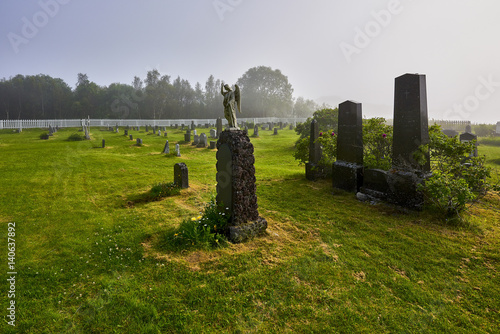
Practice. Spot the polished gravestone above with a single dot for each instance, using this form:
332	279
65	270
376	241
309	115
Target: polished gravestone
236	188
347	172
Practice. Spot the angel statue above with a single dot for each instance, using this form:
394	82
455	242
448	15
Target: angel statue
232	100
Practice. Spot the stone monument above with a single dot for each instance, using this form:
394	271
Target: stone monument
347	171
313	170
232	101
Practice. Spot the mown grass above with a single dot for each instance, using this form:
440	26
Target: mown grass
88	259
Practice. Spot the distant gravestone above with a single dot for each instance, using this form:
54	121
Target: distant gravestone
131	137
192	125
181	175
291	127
348	169
87	135
218	125
213	133
159	133
125	133
468	128
469	137
147	128
187	137
166	148
236	189
196	140
313	170
103	143
195	132
450	133
203	141
139	142
165	134
498	128
213	144
256	131
271	126
177	150
275	131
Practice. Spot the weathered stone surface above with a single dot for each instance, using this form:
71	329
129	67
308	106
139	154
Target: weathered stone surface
256	131
213	145
166	148
347	176
181	175
139	142
236	188
202	141
103	143
187	137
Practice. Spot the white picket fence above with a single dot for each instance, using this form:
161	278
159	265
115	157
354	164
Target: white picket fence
72	123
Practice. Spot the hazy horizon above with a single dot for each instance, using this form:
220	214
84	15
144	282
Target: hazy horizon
330	51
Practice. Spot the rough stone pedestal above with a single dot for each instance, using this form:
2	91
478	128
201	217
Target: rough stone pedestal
347	176
236	189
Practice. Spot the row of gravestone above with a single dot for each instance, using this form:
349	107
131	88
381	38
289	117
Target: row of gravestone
410	131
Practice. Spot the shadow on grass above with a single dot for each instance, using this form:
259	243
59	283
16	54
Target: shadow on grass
158	192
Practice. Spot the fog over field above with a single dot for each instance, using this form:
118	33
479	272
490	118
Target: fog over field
330	51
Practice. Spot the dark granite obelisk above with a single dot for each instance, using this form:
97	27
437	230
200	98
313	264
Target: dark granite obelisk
347	172
411	128
410	132
236	189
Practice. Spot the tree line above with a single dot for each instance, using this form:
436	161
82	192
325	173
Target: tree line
265	93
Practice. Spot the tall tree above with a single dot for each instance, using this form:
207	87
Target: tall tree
265	92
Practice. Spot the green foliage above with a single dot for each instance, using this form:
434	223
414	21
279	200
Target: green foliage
75	137
377	144
161	190
44	136
457	177
327	120
206	231
328	142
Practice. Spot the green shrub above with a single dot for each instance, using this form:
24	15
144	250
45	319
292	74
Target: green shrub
161	190
44	136
206	231
457	179
76	137
377	144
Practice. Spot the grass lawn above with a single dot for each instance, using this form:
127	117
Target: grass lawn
88	258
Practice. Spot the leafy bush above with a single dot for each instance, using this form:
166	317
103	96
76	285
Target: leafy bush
161	190
377	144
75	137
206	231
44	136
327	122
457	177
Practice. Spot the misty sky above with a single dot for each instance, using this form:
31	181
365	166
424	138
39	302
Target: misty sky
330	50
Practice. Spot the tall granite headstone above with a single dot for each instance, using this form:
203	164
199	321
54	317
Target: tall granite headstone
411	128
410	131
181	175
236	189
177	150
347	171
313	170
256	131
166	148
218	125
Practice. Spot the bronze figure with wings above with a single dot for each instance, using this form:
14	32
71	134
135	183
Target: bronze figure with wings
232	100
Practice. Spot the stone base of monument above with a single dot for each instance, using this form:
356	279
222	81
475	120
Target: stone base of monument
347	176
315	171
403	188
236	189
